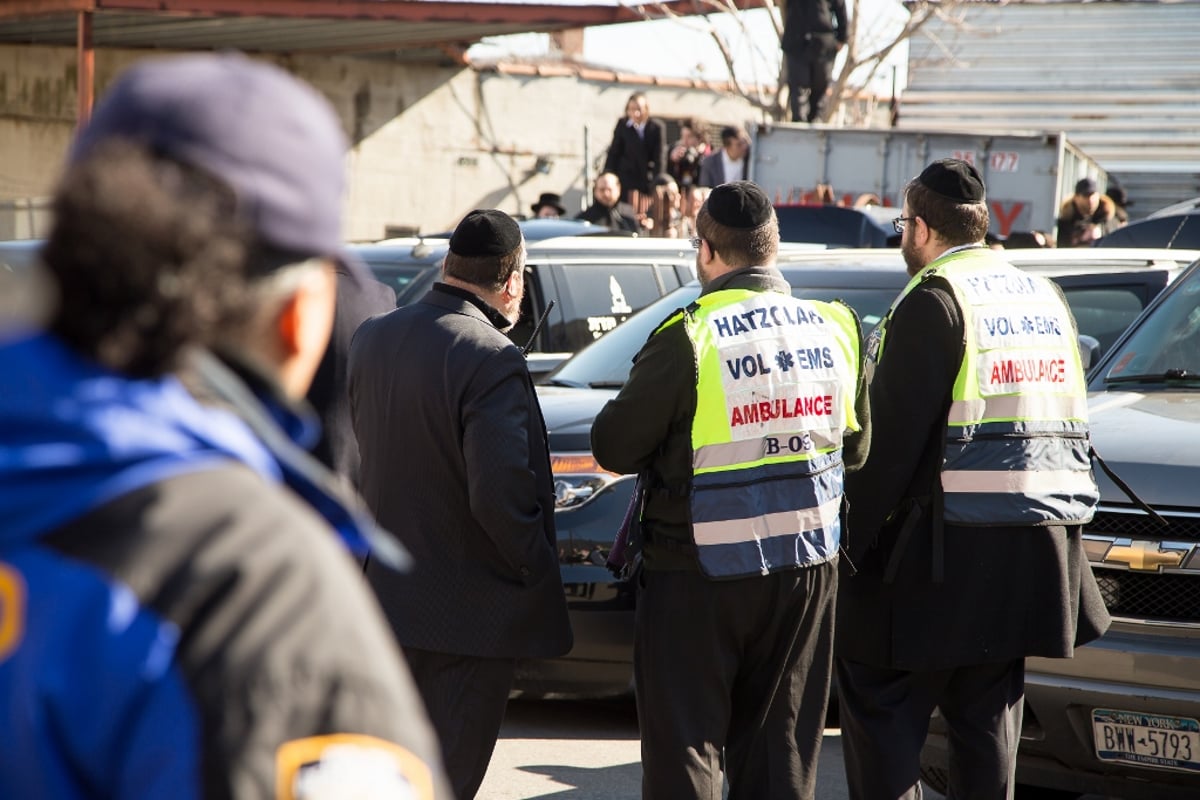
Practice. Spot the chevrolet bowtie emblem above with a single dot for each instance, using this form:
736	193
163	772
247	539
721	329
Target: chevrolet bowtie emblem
1144	556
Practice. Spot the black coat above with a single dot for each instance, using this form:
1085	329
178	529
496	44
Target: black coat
1007	592
455	464
712	169
815	28
359	297
608	217
637	159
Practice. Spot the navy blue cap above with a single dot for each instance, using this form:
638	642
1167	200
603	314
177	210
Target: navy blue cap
1086	186
270	136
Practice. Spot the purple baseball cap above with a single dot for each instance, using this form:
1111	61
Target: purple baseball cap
269	135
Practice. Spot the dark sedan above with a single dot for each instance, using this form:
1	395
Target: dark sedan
1103	288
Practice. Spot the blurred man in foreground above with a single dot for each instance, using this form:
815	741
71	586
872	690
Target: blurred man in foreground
180	619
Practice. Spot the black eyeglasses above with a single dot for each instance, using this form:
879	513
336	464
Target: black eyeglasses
899	222
696	240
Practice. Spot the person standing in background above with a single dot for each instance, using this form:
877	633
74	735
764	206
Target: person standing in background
814	31
683	163
605	208
549	206
1085	216
637	153
731	162
455	464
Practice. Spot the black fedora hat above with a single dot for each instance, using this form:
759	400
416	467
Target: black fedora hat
550	199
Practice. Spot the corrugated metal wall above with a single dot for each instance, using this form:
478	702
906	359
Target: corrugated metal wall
1121	79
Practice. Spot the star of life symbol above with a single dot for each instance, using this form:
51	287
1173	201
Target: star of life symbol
784	360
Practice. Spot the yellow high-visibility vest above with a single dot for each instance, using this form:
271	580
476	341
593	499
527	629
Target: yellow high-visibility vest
1017	447
775	389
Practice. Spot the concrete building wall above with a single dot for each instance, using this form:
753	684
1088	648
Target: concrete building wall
429	143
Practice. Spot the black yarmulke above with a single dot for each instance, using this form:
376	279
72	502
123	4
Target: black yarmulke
954	180
486	232
739	204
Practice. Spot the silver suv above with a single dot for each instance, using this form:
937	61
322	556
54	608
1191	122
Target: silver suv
1123	717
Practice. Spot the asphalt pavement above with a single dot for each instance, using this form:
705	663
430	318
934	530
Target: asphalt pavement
589	750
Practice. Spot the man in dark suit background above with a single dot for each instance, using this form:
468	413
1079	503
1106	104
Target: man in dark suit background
638	152
455	463
731	162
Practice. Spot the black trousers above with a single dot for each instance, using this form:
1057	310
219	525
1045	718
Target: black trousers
808	78
465	697
885	719
732	680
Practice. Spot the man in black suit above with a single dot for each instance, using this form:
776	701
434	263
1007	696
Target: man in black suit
638	152
455	464
814	32
731	162
605	208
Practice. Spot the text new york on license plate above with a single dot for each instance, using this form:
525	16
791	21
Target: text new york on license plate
1148	739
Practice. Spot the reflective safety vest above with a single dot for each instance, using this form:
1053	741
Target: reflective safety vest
775	389
1017	442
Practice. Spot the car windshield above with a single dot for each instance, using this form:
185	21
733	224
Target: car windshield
606	363
1165	347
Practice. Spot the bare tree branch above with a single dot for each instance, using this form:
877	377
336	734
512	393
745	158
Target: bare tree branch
865	54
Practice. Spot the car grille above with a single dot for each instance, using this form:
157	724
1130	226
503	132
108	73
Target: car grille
1139	525
1174	598
1169	595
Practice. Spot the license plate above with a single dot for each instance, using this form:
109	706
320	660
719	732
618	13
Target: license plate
1150	740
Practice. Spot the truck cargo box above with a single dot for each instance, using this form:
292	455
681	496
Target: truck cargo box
1028	176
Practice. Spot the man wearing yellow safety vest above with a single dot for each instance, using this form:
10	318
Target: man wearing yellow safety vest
967	516
741	415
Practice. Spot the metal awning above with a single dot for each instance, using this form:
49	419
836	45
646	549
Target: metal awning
320	26
407	29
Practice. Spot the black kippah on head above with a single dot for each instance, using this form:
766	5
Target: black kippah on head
740	204
486	232
954	180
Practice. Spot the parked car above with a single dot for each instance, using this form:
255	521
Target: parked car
400	262
596	282
592	501
1122	717
1176	226
835	226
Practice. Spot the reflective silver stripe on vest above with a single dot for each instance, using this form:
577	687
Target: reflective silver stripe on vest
785	523
731	453
1037	483
1021	406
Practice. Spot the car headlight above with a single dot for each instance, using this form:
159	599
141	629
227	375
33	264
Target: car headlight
577	478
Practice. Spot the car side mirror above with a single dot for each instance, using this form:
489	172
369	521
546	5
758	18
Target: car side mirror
1089	350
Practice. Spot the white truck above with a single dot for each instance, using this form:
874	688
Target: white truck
1028	175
